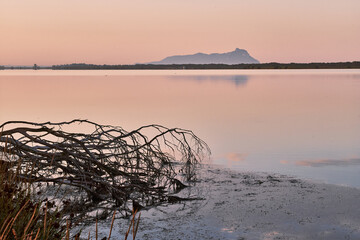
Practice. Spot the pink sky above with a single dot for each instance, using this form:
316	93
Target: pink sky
126	32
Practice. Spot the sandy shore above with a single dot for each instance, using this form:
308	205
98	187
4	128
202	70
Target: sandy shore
252	206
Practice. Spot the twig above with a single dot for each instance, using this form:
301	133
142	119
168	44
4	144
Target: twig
108	164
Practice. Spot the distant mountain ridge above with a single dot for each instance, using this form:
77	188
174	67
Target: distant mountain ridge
238	56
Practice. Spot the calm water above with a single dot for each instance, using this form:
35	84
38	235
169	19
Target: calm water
305	123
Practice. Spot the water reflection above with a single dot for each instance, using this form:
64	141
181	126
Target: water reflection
231	159
287	115
329	162
237	80
236	157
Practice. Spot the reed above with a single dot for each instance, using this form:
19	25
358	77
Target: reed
134	224
21	217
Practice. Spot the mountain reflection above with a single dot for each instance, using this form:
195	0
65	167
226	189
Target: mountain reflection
238	80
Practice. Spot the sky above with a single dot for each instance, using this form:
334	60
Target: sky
139	31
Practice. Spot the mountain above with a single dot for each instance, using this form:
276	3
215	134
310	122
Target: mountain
236	57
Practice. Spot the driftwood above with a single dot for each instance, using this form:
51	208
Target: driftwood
108	167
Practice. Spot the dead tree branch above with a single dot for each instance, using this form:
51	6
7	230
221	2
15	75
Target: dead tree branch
108	164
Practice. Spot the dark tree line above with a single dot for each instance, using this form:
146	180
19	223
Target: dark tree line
273	65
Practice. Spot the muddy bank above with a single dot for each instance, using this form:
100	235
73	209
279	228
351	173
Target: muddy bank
237	205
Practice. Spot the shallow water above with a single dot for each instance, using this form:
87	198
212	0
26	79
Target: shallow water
298	122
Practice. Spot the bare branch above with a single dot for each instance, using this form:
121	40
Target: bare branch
106	163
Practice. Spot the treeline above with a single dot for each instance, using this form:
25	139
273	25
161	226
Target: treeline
336	65
35	67
273	65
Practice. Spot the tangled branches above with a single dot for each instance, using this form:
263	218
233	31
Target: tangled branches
109	167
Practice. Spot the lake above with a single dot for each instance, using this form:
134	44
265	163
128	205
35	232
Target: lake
298	122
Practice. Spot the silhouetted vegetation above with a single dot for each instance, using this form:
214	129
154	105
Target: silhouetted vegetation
23	67
273	65
21	216
102	168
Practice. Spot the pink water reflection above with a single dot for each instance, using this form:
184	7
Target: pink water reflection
267	116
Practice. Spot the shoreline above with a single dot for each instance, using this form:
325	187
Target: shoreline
247	205
245	66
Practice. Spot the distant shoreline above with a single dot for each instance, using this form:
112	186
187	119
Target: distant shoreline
84	66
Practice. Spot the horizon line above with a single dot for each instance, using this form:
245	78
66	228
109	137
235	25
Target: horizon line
151	64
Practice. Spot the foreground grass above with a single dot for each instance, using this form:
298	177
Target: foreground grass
21	217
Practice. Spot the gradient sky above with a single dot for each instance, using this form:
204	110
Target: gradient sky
50	32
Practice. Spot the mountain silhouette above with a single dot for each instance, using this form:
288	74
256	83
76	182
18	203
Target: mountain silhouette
237	56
